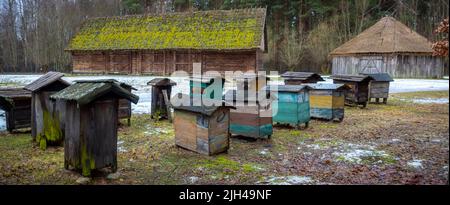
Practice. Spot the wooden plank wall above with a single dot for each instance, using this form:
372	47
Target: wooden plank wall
164	62
398	66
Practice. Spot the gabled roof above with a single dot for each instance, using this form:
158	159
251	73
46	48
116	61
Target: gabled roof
287	88
45	80
85	92
161	82
301	76
241	29
203	109
352	78
386	36
327	86
379	77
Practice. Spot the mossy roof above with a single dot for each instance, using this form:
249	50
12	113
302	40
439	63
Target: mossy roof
240	29
85	92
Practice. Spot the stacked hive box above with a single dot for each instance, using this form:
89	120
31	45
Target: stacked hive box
359	88
327	101
16	102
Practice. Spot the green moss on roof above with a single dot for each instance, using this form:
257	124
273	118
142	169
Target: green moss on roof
216	30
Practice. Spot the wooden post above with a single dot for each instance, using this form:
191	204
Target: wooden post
168	105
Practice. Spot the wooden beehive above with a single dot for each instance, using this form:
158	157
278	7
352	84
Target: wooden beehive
47	116
91	116
379	86
206	87
203	129
252	117
125	105
161	87
327	101
291	105
298	78
251	81
16	102
359	88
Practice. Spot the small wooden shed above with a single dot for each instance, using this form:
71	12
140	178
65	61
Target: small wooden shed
359	88
91	116
379	86
252	117
298	78
205	86
203	129
16	102
327	101
125	105
47	116
291	105
161	93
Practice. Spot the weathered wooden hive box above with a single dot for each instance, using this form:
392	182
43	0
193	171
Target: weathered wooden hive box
298	78
125	105
202	129
160	87
207	87
251	81
291	105
359	88
252	117
91	116
47	116
327	101
16	102
379	86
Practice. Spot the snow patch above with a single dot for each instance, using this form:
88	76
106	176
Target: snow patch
288	180
430	101
361	153
416	164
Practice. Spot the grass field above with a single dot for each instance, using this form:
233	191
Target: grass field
399	143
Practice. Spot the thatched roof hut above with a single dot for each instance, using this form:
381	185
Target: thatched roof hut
391	47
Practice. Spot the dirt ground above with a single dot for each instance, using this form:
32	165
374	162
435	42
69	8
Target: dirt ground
403	142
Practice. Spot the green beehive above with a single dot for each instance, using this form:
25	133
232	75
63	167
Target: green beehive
291	105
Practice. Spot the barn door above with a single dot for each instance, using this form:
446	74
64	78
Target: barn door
370	65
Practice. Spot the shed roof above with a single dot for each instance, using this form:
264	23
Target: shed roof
45	80
7	96
240	29
301	76
161	82
386	36
327	86
351	78
287	88
379	77
85	92
203	109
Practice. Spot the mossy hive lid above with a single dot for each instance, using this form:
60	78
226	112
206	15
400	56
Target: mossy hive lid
241	29
85	92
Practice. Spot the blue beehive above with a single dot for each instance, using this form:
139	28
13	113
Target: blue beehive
291	105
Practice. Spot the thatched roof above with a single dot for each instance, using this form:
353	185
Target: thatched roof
84	92
45	80
241	29
387	36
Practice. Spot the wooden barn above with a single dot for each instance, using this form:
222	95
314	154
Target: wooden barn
391	47
203	129
160	44
298	78
47	116
252	117
327	101
161	93
16	102
379	86
291	104
91	116
359	88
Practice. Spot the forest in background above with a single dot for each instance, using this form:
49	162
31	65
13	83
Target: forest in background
301	33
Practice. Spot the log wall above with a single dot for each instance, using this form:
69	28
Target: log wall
398	66
164	62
